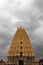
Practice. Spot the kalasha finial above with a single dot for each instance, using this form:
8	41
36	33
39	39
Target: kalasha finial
20	26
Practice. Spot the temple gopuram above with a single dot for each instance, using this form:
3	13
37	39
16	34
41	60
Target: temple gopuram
21	51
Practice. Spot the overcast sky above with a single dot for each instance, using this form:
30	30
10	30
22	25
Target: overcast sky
29	14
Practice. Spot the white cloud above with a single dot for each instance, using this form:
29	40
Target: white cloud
2	3
16	8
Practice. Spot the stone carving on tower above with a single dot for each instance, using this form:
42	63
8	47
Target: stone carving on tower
21	50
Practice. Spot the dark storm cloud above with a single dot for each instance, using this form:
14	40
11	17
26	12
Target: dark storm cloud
5	39
39	4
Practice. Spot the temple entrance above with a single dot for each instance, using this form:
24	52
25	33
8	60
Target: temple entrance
21	62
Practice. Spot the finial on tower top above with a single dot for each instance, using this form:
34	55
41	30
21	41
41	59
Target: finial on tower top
21	27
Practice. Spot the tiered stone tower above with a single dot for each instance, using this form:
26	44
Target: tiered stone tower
21	51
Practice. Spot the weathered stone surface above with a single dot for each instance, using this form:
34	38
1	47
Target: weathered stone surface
21	43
